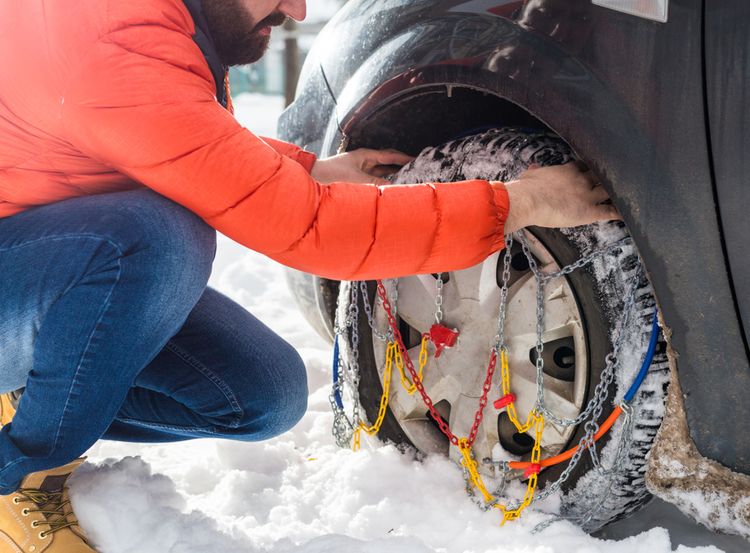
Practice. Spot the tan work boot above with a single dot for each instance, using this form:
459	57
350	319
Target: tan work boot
39	518
8	404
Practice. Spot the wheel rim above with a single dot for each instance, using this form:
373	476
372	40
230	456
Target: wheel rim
454	381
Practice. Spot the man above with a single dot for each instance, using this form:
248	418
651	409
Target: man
118	160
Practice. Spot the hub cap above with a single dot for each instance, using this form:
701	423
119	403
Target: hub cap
471	303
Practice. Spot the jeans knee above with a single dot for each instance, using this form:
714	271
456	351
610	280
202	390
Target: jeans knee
289	401
283	399
295	405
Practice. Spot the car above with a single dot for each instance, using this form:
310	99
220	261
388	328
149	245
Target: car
652	96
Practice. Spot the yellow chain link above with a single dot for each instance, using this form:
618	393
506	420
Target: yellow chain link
391	351
423	356
393	355
511	408
534	420
470	465
536	456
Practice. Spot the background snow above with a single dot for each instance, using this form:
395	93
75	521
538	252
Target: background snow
322	10
298	493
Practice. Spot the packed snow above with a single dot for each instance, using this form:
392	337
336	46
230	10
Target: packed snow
299	493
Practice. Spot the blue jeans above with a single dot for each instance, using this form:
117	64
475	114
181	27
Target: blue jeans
106	320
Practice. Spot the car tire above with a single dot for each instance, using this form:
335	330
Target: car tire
589	498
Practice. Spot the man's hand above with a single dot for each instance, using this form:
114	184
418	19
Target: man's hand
558	196
363	165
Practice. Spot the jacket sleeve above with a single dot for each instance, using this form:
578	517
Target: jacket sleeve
142	102
292	151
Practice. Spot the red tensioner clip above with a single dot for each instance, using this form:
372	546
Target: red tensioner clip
443	337
504	401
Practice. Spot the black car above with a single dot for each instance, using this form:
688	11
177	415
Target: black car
653	96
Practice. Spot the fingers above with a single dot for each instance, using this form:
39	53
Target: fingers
392	157
603	211
381	163
599	194
383	170
606	212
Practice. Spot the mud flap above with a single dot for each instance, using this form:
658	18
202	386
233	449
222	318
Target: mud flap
701	488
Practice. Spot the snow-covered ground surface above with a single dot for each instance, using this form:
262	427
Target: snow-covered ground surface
299	493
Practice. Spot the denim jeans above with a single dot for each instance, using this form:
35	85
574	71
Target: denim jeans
106	320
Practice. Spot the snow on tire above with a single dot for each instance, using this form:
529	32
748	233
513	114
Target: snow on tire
593	302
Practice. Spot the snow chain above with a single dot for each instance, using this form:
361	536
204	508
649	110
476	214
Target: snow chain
347	430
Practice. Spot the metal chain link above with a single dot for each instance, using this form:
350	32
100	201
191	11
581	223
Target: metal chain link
439	299
343	428
611	473
611	361
586	260
353	372
595	406
382	336
505	280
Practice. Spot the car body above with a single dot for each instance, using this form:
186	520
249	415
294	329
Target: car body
659	110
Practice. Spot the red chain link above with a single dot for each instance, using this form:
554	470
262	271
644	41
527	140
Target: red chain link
486	387
418	382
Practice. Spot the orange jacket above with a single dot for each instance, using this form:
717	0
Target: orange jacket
104	95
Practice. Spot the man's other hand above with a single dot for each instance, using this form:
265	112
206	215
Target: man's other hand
363	165
559	196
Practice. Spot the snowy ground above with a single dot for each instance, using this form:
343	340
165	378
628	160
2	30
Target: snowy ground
298	493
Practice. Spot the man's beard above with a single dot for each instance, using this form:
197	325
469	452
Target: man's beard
236	36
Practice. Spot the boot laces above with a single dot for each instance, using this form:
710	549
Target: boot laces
52	506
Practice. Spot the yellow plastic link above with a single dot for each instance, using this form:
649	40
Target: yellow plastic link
393	355
476	479
471	466
391	351
536	455
511	408
423	357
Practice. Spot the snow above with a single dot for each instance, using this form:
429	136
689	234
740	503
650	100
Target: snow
258	112
299	493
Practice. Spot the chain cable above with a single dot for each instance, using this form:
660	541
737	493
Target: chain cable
382	336
439	299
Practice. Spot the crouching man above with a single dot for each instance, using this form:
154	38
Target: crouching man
120	159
